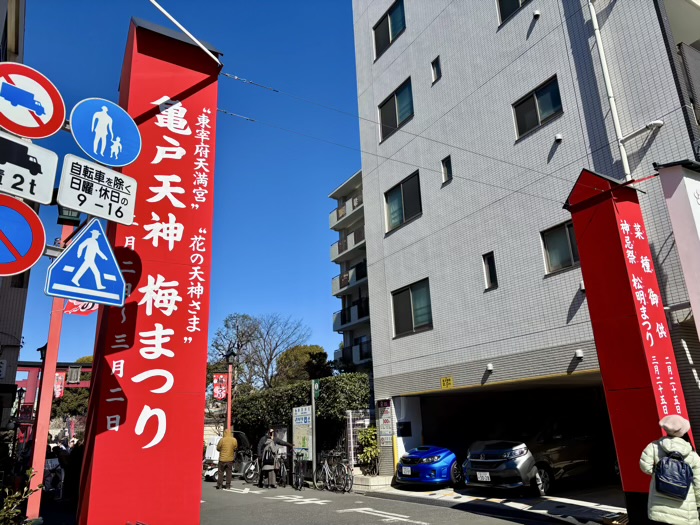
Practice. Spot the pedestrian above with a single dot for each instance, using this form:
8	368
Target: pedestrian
674	494
267	454
227	447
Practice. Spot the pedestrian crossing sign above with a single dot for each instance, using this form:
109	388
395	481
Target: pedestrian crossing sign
87	270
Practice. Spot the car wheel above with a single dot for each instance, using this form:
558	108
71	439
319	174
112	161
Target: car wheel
215	477
544	480
456	474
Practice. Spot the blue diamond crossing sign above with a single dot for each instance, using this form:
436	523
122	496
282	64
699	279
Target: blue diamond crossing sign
87	270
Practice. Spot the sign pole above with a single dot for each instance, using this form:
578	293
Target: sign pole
228	397
313	428
43	414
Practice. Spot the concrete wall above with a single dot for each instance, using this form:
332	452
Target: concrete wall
408	410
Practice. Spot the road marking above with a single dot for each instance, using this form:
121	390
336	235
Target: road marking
300	500
387	517
244	491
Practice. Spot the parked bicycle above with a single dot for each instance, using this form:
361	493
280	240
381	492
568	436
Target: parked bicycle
282	472
252	472
298	471
333	473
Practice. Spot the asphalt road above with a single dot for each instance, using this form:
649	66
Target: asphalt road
246	504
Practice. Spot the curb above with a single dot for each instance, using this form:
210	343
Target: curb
503	510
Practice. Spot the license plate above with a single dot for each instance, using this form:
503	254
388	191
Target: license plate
483	476
406	471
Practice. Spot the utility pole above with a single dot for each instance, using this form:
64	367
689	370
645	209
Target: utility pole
228	394
43	413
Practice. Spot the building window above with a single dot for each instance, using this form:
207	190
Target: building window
412	311
560	247
537	107
506	8
437	70
403	202
388	29
447	169
396	109
490	275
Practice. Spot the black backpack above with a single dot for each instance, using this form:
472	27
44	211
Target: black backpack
673	476
268	457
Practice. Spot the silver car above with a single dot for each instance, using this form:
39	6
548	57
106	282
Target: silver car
502	464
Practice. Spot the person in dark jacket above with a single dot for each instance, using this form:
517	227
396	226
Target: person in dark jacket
269	440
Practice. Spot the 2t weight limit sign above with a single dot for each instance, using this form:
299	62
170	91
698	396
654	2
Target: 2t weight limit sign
91	188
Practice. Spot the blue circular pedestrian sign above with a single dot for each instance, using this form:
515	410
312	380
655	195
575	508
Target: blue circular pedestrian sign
105	132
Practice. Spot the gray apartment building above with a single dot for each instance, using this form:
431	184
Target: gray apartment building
350	285
477	117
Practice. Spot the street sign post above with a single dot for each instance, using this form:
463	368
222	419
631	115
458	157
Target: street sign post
22	237
26	170
90	188
30	105
105	132
87	270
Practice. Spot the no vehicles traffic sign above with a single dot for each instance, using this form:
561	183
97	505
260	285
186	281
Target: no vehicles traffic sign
30	105
22	236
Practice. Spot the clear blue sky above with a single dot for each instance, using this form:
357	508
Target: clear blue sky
271	234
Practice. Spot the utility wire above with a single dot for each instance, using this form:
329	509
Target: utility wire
420	135
410	164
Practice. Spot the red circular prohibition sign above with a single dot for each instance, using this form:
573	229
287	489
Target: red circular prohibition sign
43	129
38	242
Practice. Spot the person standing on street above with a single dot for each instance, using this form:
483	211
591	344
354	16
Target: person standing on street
267	454
227	447
674	467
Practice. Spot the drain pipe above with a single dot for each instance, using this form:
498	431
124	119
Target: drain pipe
608	88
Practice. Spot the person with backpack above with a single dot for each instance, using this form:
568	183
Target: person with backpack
674	467
267	453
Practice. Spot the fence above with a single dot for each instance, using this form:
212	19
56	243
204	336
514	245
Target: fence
356	420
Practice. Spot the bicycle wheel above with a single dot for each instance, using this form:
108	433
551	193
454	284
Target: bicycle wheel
252	474
350	478
282	482
319	478
340	477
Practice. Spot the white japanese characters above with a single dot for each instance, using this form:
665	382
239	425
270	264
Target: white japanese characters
652	319
170	298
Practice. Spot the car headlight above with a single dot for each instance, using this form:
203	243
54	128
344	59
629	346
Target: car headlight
516	452
431	459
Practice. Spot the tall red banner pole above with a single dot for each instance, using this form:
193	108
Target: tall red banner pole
228	395
632	336
147	397
43	414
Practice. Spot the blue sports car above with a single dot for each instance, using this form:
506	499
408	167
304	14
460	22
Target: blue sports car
429	465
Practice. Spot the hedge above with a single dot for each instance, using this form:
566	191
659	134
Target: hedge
255	413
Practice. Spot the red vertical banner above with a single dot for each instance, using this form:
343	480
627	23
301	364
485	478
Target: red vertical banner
631	333
149	382
651	317
59	385
220	386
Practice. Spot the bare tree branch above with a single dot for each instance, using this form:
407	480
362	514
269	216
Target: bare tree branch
275	335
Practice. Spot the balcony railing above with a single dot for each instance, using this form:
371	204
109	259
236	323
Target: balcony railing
348	243
365	350
349	278
344	210
351	315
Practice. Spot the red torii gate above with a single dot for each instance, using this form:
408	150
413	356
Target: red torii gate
31	387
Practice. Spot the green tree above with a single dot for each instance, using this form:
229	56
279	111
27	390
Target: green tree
75	400
302	363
